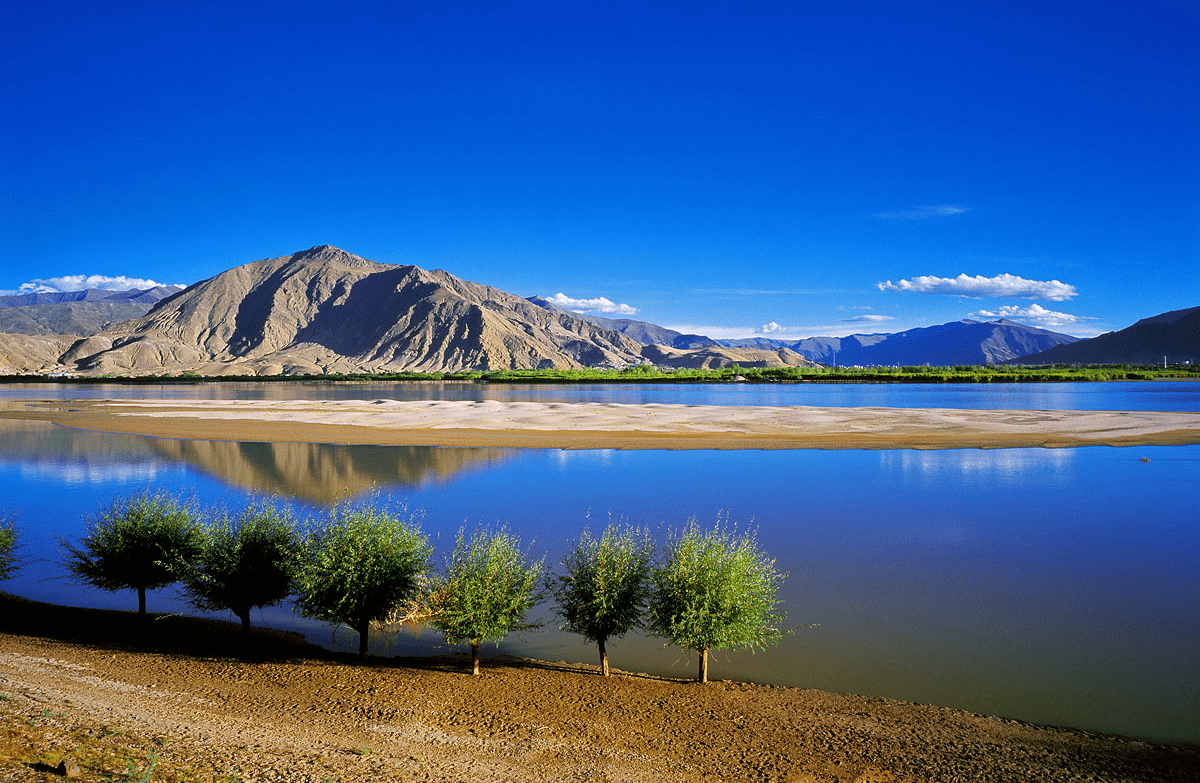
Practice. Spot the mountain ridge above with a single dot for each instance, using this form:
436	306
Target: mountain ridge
1174	335
324	310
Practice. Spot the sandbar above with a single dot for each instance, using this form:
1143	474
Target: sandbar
492	423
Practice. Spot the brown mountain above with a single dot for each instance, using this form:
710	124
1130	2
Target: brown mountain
322	472
715	357
327	311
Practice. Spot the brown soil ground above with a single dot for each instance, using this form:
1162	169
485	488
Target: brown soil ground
190	697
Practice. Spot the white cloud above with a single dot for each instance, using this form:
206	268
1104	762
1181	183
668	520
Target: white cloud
868	319
50	285
787	333
1035	313
979	287
600	304
923	213
771	328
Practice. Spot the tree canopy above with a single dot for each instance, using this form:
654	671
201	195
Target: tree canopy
360	566
246	561
489	585
604	589
141	543
715	590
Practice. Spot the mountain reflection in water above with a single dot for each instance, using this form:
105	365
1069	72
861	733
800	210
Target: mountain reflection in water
322	473
310	472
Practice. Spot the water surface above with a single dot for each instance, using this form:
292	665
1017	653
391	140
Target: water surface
1181	395
1056	586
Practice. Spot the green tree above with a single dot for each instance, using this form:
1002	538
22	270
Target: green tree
143	543
246	561
489	586
715	590
360	566
607	582
9	565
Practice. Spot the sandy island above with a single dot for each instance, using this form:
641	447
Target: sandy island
600	425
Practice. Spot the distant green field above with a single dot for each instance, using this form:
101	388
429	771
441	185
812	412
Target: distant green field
649	374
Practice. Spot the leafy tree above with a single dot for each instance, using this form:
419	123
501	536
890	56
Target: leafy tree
360	566
246	561
604	590
143	543
715	590
9	565
488	587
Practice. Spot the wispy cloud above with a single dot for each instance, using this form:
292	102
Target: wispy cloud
725	332
867	319
773	330
979	287
1035	314
599	304
754	291
923	213
50	285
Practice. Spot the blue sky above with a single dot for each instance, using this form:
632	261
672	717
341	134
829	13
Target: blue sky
730	168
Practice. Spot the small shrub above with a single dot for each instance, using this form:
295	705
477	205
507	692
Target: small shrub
9	543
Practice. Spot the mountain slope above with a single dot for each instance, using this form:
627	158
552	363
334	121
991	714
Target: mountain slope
640	331
327	311
718	356
1174	334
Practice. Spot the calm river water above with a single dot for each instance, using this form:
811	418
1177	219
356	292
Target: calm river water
1055	586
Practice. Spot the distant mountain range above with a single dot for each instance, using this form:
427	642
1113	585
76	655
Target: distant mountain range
147	296
640	331
77	312
326	311
960	342
1174	336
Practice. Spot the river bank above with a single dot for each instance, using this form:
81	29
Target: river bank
543	425
186	693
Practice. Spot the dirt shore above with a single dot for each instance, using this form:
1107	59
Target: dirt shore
596	425
191	698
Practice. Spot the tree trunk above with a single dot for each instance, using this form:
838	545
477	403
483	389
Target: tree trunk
703	665
362	639
475	657
603	658
142	601
245	625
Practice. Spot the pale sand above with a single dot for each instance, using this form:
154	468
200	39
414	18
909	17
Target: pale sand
597	425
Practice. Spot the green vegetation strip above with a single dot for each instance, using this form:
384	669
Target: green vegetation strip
645	373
